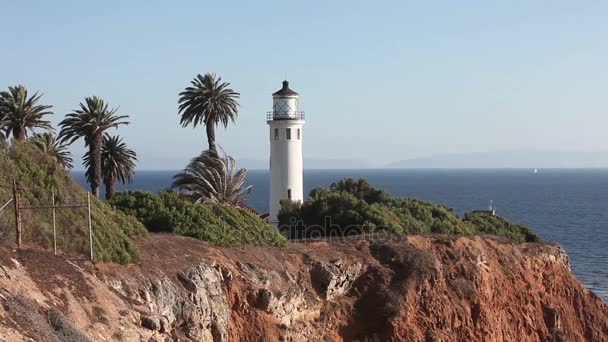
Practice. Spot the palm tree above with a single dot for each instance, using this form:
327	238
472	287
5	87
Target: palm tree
118	163
208	101
48	144
90	122
20	113
212	179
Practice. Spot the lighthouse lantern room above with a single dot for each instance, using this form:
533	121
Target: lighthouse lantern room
286	163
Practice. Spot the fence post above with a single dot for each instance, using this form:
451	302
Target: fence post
54	229
90	224
20	219
17	213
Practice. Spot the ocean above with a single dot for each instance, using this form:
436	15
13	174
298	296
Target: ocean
567	206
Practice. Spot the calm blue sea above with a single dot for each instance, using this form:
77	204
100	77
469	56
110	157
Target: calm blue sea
569	207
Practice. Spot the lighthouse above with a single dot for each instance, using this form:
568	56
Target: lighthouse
286	164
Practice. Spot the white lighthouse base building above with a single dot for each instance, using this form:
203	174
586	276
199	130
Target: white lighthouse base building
286	124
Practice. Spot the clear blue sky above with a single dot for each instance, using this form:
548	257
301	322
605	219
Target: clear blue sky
380	81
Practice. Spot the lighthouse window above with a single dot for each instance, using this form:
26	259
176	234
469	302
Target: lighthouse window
298	134
276	134
289	194
288	134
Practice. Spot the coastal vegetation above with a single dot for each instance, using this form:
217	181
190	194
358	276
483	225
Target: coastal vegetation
211	179
38	177
496	225
351	207
219	224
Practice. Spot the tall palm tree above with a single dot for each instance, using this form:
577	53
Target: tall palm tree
90	122
20	113
118	163
208	101
48	144
212	179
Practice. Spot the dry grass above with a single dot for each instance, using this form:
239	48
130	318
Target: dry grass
40	324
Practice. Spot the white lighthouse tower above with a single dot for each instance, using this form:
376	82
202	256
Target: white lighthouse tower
286	165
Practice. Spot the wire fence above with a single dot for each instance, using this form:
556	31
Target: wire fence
52	206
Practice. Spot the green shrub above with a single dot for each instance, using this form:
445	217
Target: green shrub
496	225
355	206
221	225
361	189
38	176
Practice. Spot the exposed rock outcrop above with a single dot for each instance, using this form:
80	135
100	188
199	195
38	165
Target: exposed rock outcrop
419	288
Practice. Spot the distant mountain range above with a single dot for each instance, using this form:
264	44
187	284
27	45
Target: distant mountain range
510	159
476	160
480	160
311	163
177	163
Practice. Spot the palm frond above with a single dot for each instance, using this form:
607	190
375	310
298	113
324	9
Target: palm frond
208	101
214	179
117	160
93	117
22	113
48	144
90	122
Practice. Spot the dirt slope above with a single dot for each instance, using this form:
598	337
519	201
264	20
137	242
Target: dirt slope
419	288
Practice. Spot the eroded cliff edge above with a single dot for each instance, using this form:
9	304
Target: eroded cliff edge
419	288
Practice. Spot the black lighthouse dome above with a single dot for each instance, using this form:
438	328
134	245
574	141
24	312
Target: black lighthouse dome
285	91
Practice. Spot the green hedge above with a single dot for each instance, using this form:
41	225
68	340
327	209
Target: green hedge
221	225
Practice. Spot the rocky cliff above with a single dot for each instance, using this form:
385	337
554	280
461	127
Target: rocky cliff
418	288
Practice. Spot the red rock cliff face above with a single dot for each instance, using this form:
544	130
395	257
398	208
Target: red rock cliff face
421	288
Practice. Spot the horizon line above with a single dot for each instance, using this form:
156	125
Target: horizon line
401	168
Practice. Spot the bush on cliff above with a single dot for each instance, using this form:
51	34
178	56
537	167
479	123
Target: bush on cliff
496	225
38	176
219	224
355	206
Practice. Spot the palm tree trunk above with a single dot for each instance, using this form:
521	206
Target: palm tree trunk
20	134
211	137
110	187
95	152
